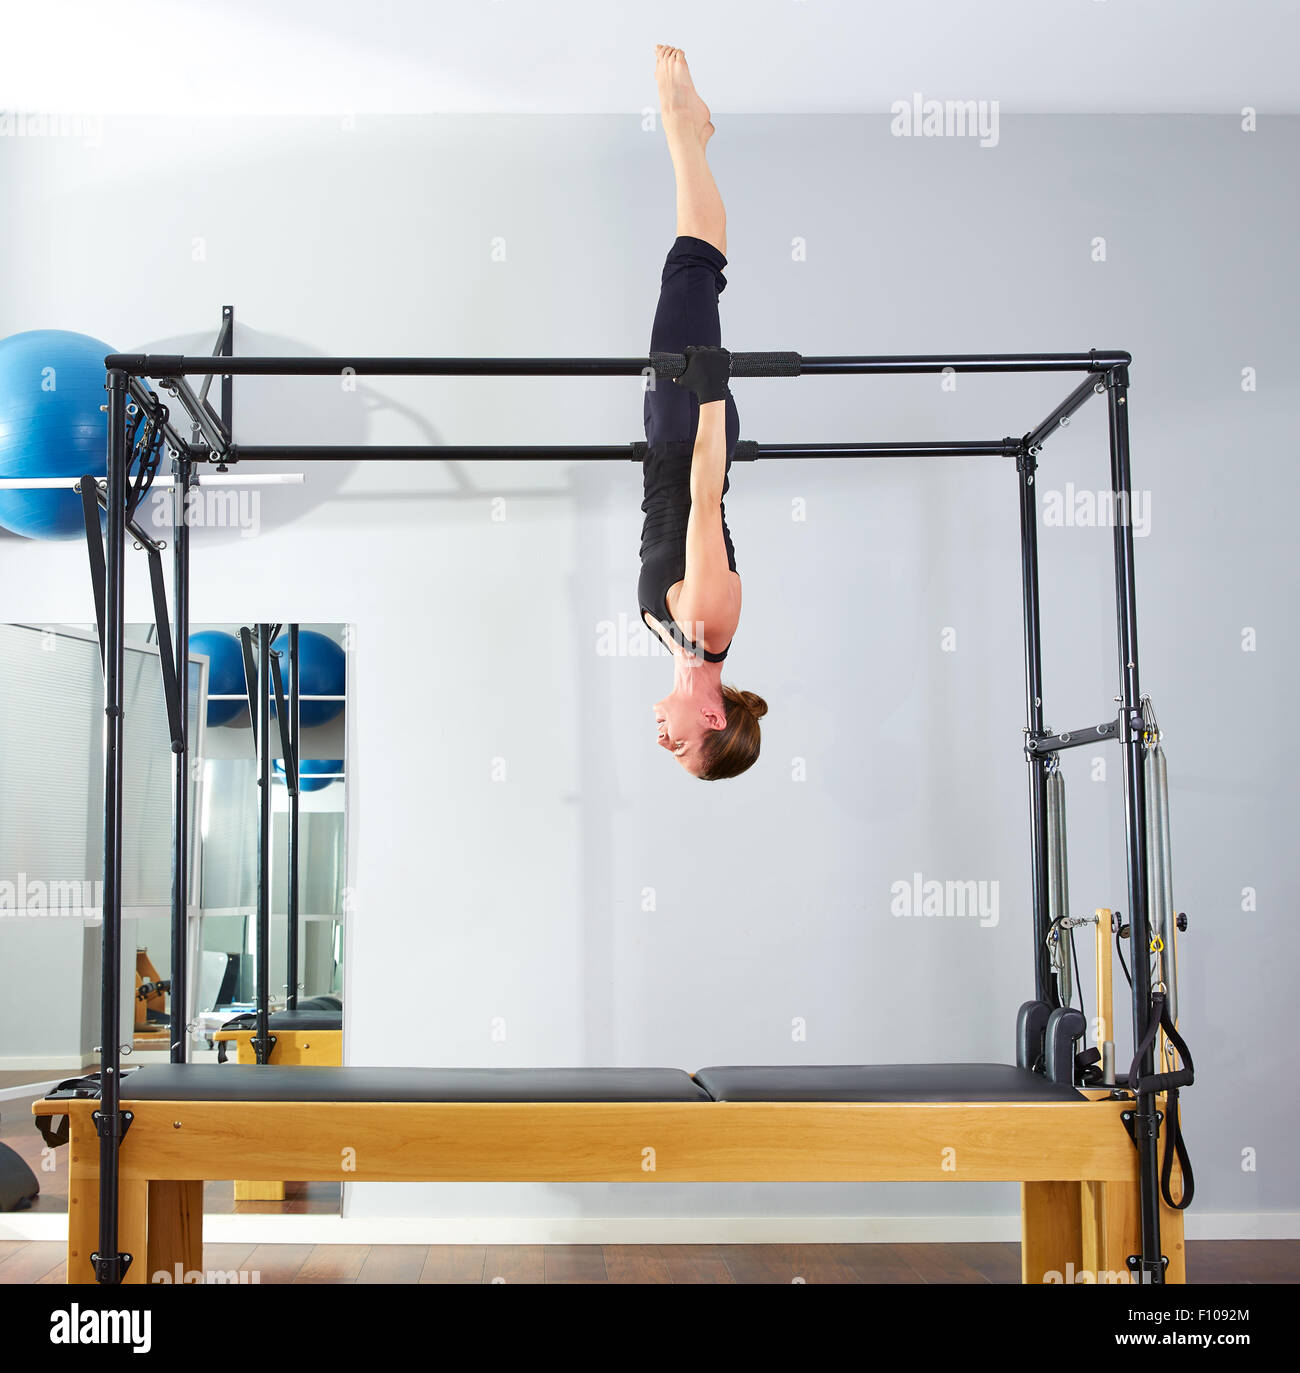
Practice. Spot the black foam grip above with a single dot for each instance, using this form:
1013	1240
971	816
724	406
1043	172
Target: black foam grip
766	364
742	364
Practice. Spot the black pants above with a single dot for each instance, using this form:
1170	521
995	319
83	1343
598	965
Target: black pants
687	316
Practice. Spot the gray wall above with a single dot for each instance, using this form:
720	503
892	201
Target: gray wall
523	901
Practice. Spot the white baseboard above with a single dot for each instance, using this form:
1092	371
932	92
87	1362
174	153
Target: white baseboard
29	1225
36	1087
65	1065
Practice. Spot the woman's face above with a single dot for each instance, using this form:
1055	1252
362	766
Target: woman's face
682	727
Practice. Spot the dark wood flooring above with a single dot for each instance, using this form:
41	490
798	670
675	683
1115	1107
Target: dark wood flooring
1208	1261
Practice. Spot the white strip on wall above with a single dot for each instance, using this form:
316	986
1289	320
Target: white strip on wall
1272	1225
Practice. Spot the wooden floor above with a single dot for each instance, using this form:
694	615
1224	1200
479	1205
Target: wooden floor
1208	1261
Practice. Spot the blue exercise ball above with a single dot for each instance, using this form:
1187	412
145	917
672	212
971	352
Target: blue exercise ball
51	388
225	672
309	770
322	671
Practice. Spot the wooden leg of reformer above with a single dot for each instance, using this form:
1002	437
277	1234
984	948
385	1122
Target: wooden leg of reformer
175	1228
1111	1230
83	1225
259	1191
133	1226
1050	1229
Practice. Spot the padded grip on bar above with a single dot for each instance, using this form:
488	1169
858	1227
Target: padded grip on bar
766	364
746	451
146	364
742	364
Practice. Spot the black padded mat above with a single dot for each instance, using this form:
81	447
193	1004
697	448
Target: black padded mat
246	1082
886	1082
289	1020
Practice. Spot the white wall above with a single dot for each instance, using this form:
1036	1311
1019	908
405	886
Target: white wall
476	637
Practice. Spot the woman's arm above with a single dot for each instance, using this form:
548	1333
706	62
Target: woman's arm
709	601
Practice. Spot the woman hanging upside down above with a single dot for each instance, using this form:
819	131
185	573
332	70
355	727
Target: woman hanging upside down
689	591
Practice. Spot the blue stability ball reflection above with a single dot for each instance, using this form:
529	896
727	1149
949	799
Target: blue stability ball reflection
225	672
51	388
322	671
310	770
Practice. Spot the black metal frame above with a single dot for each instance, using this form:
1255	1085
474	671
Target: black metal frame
1105	372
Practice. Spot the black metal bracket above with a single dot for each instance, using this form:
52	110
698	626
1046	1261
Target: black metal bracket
1026	456
1161	1266
262	1047
104	1124
1133	1122
1036	745
110	1269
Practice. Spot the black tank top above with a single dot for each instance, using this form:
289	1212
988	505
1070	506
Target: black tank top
667	507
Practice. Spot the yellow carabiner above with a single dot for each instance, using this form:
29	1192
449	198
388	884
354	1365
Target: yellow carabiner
1157	944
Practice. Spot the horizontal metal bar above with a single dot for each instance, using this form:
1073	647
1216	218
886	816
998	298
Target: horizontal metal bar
1077	398
952	448
625	452
160	365
303	696
1092	361
215	479
1039	744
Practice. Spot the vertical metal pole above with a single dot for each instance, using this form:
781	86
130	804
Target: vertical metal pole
295	786
181	813
109	1262
1146	1127
262	1045
1044	987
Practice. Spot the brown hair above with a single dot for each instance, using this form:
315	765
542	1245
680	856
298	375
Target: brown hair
731	750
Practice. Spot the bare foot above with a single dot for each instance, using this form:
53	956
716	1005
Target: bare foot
679	101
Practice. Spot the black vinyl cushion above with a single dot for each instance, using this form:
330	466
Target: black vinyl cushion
247	1082
18	1184
329	1002
289	1020
885	1082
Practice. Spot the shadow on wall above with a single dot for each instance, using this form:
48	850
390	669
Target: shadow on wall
337	411
307	410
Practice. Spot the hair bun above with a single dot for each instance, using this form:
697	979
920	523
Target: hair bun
753	703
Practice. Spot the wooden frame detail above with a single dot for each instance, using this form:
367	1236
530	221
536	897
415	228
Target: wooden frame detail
1075	1161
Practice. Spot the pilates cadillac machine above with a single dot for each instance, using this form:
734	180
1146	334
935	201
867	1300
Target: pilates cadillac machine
1083	1141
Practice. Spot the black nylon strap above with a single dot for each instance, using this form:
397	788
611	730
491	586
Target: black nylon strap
1169	1083
95	548
54	1129
282	716
166	653
250	677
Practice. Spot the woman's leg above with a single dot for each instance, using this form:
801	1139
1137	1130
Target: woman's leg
700	212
